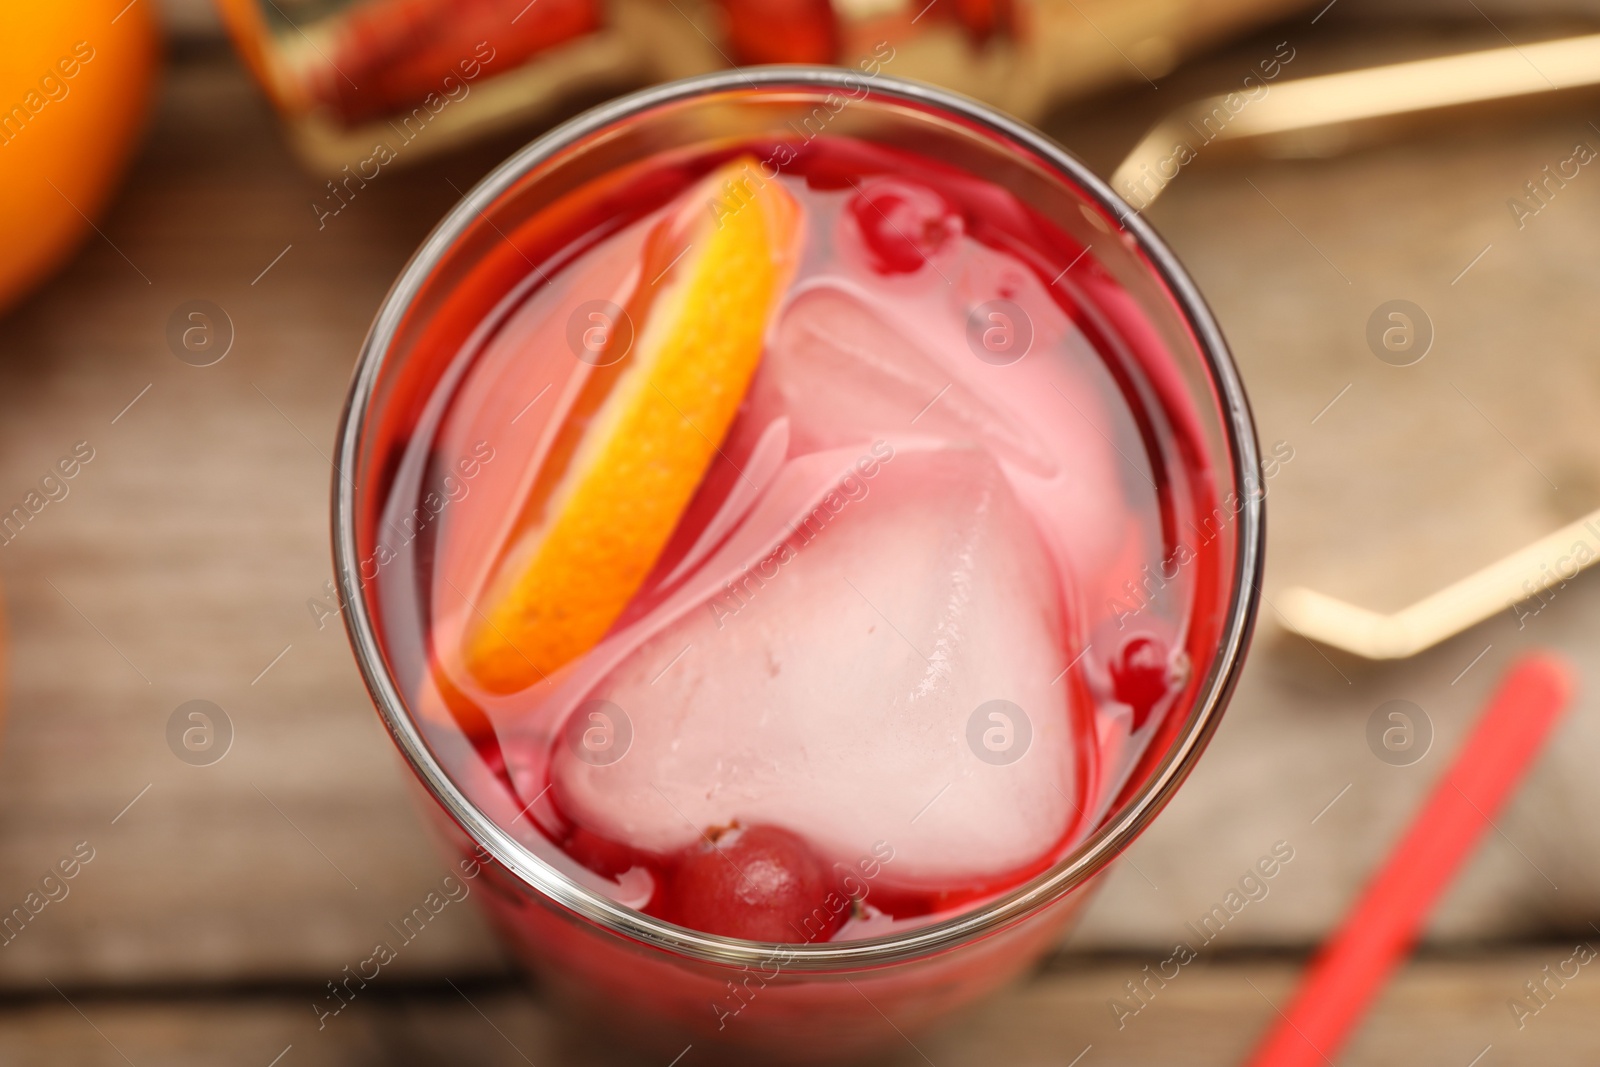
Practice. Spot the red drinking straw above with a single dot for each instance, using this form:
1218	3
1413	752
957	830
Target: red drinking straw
1379	932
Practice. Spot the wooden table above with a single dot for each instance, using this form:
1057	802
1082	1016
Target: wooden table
221	898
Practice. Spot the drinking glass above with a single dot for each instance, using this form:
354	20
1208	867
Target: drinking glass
642	979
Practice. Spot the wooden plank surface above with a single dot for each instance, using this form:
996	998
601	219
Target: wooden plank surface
181	563
1438	1012
180	567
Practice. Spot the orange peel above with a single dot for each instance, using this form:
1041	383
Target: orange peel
638	444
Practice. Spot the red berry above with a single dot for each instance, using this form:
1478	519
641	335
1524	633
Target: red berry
782	31
1141	676
902	225
761	883
982	19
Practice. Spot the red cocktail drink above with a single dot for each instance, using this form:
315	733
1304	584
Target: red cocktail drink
805	527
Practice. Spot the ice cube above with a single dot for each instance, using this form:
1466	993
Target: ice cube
845	374
834	690
846	368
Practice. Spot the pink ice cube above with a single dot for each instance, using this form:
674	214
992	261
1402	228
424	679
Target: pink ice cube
846	687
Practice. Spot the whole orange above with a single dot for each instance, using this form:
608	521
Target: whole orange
75	84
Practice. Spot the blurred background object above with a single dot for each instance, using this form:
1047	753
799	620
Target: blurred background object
75	83
348	74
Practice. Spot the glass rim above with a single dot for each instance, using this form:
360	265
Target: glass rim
1086	859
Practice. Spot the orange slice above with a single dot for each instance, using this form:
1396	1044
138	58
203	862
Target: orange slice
639	441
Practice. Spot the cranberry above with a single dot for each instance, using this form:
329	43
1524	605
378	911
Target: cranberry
761	883
782	31
982	19
1141	675
902	225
